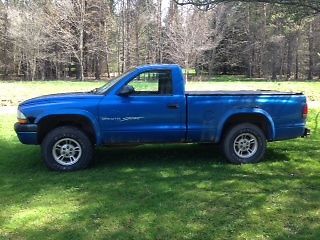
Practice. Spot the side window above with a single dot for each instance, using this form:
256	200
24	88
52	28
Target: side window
153	83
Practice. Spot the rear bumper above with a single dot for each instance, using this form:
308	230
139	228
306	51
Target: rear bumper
27	133
306	133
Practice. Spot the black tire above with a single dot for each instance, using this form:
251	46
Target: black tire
238	138
64	136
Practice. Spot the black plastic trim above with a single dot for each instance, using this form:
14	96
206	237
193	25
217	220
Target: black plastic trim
306	133
25	127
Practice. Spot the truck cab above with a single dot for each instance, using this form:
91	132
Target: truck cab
147	106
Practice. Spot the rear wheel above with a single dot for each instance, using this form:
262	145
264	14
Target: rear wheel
66	149
244	143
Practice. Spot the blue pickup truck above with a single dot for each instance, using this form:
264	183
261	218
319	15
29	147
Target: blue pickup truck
149	104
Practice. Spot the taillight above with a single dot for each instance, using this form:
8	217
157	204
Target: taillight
305	111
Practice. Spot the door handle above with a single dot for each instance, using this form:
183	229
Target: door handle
173	106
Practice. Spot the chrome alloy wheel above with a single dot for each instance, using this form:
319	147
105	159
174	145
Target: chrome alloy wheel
66	151
245	145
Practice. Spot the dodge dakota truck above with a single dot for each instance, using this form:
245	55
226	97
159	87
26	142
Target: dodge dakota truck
149	104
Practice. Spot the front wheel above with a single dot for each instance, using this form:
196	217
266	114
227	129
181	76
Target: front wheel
244	143
66	149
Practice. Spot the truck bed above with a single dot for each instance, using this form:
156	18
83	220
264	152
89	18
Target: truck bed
240	92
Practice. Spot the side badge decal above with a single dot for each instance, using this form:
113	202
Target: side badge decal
121	119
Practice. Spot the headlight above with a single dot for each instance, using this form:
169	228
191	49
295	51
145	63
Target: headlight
21	117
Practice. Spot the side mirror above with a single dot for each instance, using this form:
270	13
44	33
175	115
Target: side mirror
126	90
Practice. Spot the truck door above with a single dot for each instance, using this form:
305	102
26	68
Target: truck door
151	113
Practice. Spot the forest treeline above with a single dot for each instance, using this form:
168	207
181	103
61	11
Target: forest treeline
67	39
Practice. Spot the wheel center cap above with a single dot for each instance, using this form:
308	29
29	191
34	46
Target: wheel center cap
66	150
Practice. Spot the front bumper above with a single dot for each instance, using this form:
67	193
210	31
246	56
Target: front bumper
27	133
306	133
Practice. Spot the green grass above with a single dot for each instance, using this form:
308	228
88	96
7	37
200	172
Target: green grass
11	93
162	192
310	89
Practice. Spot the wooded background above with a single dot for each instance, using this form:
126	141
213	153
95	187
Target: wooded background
94	39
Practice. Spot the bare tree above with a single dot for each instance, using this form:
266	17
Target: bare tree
188	36
27	30
66	21
5	39
92	38
309	6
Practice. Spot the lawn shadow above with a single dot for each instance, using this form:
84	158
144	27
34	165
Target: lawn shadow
150	192
170	155
164	154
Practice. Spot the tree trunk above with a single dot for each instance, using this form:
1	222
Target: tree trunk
107	65
159	37
97	72
6	41
123	60
311	52
106	46
81	69
81	40
251	51
137	45
297	58
289	56
127	45
33	68
263	41
118	50
274	72
274	63
107	61
43	71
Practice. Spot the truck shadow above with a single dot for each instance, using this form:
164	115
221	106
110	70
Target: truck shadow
170	155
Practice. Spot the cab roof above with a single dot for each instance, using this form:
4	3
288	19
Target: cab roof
158	66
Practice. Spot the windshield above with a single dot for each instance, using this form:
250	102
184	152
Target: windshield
111	83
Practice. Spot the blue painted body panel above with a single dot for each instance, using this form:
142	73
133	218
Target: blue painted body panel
147	119
142	119
30	138
208	114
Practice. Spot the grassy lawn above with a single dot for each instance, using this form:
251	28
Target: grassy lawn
163	191
11	93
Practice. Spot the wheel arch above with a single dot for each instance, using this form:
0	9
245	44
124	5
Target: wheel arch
259	118
82	122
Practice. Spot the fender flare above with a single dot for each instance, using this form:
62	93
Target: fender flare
246	111
76	112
